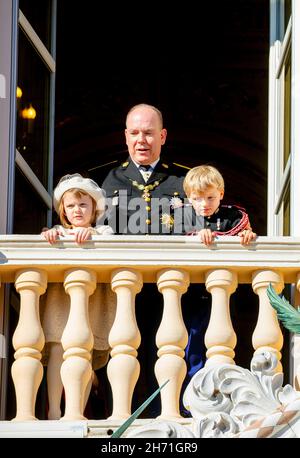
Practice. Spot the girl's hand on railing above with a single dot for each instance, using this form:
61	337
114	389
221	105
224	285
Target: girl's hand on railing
82	233
51	235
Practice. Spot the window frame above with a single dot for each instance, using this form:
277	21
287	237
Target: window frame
282	176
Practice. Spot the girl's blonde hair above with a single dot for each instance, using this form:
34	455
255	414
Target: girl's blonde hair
76	193
198	179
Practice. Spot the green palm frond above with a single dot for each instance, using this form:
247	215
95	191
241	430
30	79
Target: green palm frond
286	313
130	420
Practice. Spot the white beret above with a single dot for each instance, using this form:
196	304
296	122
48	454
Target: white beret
68	182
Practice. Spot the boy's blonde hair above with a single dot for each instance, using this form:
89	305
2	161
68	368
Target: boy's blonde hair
76	193
198	179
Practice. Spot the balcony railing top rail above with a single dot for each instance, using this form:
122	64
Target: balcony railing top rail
149	254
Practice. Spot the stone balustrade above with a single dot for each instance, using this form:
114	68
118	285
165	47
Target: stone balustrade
125	263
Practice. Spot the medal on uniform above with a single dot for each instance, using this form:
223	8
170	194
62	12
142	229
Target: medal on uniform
115	200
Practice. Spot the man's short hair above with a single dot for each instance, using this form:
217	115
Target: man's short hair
146	105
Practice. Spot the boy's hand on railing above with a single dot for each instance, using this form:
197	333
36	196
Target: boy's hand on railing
51	235
206	236
247	235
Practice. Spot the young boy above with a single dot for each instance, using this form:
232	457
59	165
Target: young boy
204	187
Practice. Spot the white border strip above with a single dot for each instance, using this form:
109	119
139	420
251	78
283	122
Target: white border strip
36	42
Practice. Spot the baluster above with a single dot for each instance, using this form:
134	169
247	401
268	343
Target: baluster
296	342
77	341
124	338
171	340
267	335
220	338
28	341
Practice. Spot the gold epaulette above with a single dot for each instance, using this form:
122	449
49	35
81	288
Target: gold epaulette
182	166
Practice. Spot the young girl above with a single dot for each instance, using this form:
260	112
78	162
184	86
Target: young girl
79	203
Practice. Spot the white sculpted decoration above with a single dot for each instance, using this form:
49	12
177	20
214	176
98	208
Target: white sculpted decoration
162	429
229	401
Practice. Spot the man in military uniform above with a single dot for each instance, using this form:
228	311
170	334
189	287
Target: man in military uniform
140	191
139	194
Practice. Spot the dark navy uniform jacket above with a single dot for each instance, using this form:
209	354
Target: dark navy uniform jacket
136	206
223	220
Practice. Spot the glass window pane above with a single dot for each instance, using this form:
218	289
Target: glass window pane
30	211
33	106
38	13
287	12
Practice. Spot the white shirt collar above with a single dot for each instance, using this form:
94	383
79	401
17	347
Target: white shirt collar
153	164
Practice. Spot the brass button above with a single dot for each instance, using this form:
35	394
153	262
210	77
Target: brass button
147	199
148	208
176	193
148	221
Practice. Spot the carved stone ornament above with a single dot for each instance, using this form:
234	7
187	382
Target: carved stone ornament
162	429
230	401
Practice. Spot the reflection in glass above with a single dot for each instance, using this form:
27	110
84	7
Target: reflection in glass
32	122
30	212
39	16
287	12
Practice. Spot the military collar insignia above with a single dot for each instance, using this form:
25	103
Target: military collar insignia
165	166
125	164
217	211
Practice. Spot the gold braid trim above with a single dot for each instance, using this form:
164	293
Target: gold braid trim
147	187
